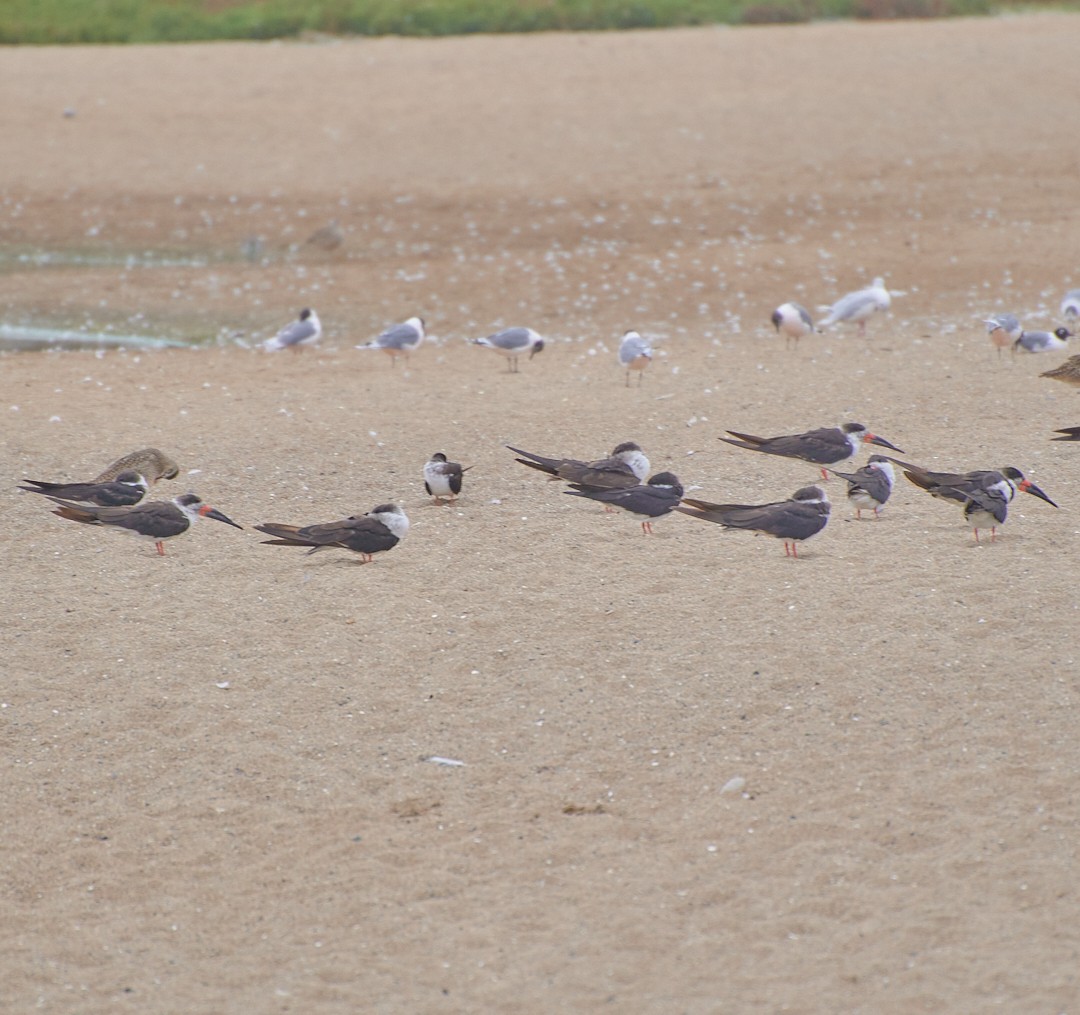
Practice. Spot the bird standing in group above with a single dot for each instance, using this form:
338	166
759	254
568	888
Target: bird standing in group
1004	330
126	490
635	353
305	330
825	446
654	499
1070	304
625	467
381	529
511	343
858	307
1042	341
150	463
801	516
793	321
443	478
153	520
871	486
400	340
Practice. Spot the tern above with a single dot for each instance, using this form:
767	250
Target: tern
126	490
1069	371
654	499
305	330
826	446
626	466
147	462
443	478
857	307
803	515
869	487
1004	330
635	353
154	520
511	343
1042	341
1070	305
793	321
399	340
381	529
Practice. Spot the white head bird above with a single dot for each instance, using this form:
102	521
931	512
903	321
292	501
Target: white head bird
857	307
635	353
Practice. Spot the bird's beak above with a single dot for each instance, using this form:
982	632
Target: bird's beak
208	512
539	347
880	442
1029	487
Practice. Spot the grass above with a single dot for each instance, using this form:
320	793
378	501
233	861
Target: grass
44	22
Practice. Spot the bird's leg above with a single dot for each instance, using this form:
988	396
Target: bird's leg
824	475
646	528
160	548
976	535
993	533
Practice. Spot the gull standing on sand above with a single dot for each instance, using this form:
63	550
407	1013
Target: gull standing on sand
1042	341
399	340
1004	330
635	353
858	307
306	330
793	321
511	343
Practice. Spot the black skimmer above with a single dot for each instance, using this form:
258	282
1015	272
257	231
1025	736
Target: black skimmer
443	478
1070	433
1069	371
381	529
155	520
127	489
857	307
1004	330
511	343
826	446
626	466
803	515
1070	305
400	340
635	353
793	321
147	462
1042	341
306	330
869	487
656	498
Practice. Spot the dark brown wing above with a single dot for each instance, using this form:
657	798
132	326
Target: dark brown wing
820	446
105	494
158	519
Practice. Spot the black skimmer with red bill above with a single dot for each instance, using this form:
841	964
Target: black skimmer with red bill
654	499
399	340
154	520
869	487
793	321
1068	372
442	478
859	306
826	446
635	353
147	462
511	343
625	467
1068	433
127	489
803	515
1004	330
985	493
305	330
1042	341
381	529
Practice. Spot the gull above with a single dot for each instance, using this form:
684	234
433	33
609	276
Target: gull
1070	305
857	307
1004	330
793	321
306	330
381	529
1042	341
511	343
635	353
399	340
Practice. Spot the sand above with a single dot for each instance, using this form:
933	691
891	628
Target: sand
219	790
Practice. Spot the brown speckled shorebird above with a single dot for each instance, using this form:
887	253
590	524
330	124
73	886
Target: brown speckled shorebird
148	462
1069	371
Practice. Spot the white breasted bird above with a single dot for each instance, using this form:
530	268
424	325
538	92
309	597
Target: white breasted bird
635	353
381	529
305	330
511	343
442	479
399	340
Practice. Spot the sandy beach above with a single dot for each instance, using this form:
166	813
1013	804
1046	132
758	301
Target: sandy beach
690	774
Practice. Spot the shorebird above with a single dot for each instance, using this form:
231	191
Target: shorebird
381	529
635	353
329	237
857	307
305	330
1070	305
1042	341
511	343
399	340
803	515
625	467
1004	330
793	321
1069	371
656	498
127	489
869	487
156	520
1071	433
826	446
443	478
147	462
